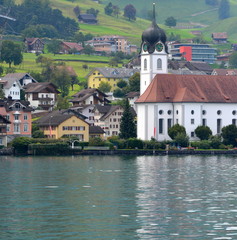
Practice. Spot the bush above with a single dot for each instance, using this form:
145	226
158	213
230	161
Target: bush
182	139
21	144
96	141
215	142
204	144
117	142
174	130
203	132
134	143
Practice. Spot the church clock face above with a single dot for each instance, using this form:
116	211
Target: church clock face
145	47
159	47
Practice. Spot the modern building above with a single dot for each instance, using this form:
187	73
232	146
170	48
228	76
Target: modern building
189	100
112	43
193	52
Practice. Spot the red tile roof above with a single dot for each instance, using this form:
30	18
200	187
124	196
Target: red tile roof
191	88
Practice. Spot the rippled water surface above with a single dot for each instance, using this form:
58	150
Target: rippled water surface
115	197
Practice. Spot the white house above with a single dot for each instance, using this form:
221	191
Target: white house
13	83
189	100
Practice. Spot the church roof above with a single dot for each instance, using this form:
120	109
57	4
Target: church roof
190	88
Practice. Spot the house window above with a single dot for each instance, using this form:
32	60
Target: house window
8	128
25	129
192	121
161	127
16	117
204	122
145	64
16	128
159	63
8	117
218	126
25	117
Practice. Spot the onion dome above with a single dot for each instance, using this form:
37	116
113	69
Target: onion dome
153	35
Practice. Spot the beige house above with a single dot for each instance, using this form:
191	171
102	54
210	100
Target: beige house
64	123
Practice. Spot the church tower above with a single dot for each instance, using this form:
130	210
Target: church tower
154	54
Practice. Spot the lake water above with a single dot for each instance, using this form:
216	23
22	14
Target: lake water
118	197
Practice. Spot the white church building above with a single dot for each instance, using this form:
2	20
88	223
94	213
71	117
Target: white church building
189	100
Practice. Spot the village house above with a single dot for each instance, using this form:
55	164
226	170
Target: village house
89	96
132	98
3	130
189	100
34	45
87	18
70	47
109	75
224	72
64	123
41	95
18	113
13	83
219	37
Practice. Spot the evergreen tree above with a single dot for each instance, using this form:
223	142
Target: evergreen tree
127	126
170	22
224	9
109	9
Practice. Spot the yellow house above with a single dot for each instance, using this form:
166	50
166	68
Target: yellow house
109	75
64	123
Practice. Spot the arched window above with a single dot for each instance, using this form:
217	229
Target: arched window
145	64
159	63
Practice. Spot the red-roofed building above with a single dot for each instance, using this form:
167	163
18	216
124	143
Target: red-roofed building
70	47
188	100
220	37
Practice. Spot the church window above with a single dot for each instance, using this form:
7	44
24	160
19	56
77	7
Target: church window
161	121
192	134
169	123
192	112
159	63
192	121
169	112
234	112
161	112
177	121
145	64
219	112
218	126
177	112
204	112
204	122
234	122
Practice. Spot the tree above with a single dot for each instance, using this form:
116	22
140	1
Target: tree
130	12
54	46
122	83
40	30
104	87
116	11
77	10
203	132
61	78
62	103
118	93
211	2
2	94
174	130
127	125
224	9
229	134
92	11
134	82
88	50
11	53
85	67
109	9
170	22
233	60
